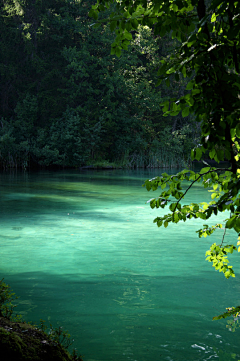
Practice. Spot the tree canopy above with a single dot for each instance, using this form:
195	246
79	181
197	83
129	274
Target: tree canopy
208	56
65	101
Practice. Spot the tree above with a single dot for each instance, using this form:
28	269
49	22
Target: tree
59	84
208	35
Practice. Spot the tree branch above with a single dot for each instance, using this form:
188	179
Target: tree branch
234	46
209	171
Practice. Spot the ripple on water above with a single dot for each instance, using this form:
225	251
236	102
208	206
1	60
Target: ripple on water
87	257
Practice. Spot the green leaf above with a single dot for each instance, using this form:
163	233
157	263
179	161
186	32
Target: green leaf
172	207
128	26
198	153
213	18
134	23
113	50
184	71
122	24
230	222
162	69
175	217
127	35
212	153
165	106
93	14
213	195
153	203
113	25
185	112
238	130
118	51
233	132
125	44
190	85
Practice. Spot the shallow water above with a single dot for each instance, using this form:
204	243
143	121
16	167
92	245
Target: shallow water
81	251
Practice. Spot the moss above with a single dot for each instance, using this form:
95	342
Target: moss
11	348
24	342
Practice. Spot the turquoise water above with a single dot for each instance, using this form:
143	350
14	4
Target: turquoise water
82	252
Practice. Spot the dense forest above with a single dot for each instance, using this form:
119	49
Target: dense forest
67	102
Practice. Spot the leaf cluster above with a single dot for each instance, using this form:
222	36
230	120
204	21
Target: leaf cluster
56	334
218	256
208	53
225	187
231	311
208	56
7	298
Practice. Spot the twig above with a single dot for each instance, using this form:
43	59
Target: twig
225	230
209	171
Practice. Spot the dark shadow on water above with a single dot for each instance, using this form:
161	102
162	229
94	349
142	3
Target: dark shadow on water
122	316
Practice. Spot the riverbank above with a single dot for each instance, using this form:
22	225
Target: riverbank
22	341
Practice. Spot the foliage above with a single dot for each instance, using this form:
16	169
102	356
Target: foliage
226	199
57	335
208	35
233	324
65	101
6	302
231	311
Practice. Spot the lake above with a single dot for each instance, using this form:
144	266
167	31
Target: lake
81	250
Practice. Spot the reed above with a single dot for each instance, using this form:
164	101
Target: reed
163	158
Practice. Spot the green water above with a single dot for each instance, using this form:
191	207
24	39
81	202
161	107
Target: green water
81	251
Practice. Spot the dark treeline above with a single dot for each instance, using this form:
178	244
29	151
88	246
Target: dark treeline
65	101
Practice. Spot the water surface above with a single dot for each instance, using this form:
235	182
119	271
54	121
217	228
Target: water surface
81	251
